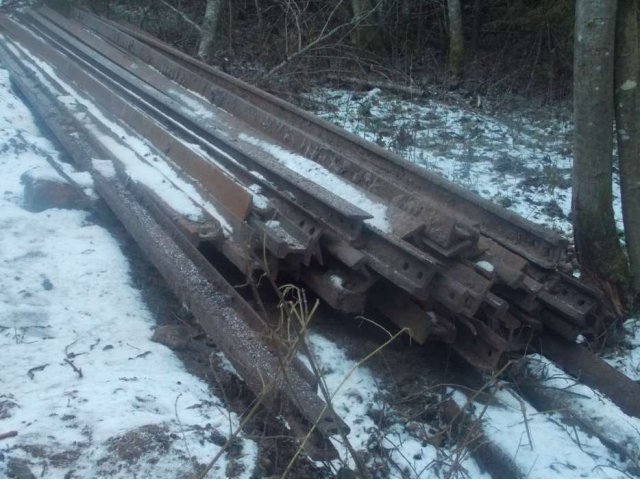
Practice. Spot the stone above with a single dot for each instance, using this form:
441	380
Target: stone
176	337
18	468
44	190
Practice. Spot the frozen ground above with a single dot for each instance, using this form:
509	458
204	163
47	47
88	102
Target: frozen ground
90	395
626	357
66	303
520	160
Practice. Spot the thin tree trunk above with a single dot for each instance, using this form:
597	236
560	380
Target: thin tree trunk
599	251
209	29
456	38
260	17
477	25
367	34
627	75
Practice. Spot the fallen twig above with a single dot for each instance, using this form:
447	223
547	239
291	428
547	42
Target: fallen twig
75	369
387	85
141	355
39	368
9	434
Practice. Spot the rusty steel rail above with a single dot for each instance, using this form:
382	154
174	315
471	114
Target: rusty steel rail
323	208
483	281
428	274
591	370
536	284
377	242
537	244
223	313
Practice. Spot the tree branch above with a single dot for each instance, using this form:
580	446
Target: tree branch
323	36
182	15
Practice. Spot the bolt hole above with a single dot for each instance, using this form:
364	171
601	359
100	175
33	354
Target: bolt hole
420	275
405	266
581	302
301	224
312	230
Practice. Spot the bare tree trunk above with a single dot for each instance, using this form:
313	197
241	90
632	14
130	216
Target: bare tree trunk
627	101
367	34
599	251
456	39
260	17
477	24
209	29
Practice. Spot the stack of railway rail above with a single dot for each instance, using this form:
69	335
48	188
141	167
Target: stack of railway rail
194	161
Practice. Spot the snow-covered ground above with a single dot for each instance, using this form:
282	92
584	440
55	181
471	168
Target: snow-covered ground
626	357
66	303
90	395
520	161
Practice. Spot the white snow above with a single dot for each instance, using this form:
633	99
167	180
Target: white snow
104	167
66	297
521	160
141	161
326	179
627	357
486	266
355	395
629	85
337	281
589	404
539	443
194	104
259	201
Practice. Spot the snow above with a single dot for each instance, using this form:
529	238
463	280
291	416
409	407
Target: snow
282	234
104	167
486	266
520	160
539	444
326	179
66	300
628	85
259	201
337	281
142	163
194	104
356	394
627	357
590	404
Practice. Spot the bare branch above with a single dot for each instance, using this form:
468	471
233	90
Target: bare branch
324	36
182	15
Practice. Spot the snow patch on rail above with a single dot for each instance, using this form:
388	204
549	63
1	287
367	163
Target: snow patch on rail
193	105
66	301
104	167
327	180
142	163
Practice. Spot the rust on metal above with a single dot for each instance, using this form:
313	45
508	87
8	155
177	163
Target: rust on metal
451	267
220	310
